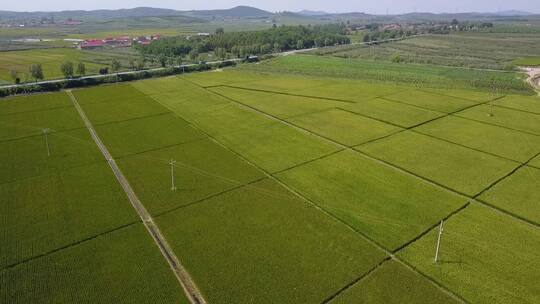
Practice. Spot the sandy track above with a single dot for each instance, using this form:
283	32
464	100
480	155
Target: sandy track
191	290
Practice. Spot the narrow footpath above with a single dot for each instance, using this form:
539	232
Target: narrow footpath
191	290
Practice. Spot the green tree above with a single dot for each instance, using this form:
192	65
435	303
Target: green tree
81	69
67	69
162	60
220	31
36	72
15	76
300	44
221	53
193	54
179	61
396	58
132	64
115	66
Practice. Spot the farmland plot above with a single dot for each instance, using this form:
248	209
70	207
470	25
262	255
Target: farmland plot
290	248
344	127
279	105
518	194
148	133
277	147
27	157
524	103
434	102
44	213
459	168
122	109
110	93
393	283
18	125
486	257
504	117
203	169
45	101
123	266
500	141
393	112
535	162
387	206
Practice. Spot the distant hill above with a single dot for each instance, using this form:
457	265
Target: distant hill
95	14
246	12
312	13
239	12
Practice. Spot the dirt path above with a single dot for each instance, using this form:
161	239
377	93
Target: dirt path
534	77
181	274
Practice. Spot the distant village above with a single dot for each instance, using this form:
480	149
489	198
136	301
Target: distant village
118	42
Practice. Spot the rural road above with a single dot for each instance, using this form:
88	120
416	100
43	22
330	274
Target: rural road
191	290
534	77
292	52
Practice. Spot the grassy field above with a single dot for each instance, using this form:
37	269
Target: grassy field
50	59
283	182
387	206
470	50
401	285
459	168
527	61
380	72
101	270
517	146
290	247
486	257
517	194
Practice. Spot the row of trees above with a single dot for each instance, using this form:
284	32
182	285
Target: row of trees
68	69
241	44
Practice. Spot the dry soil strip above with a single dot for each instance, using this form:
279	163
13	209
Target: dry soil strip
191	290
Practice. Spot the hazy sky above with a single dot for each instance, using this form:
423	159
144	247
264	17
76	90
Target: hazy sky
380	6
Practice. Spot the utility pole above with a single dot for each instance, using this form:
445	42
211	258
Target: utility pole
173	186
493	95
439	242
45	132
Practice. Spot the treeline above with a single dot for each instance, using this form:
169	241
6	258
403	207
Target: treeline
242	44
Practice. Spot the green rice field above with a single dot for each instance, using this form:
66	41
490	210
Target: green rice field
289	187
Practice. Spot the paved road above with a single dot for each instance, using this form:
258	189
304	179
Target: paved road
193	64
181	274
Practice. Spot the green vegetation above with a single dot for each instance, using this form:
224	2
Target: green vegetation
524	103
504	117
517	146
402	115
485	257
332	123
456	167
393	283
519	194
430	101
469	50
123	266
290	247
253	172
203	169
527	61
283	106
68	149
50	60
59	209
387	206
241	44
415	75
